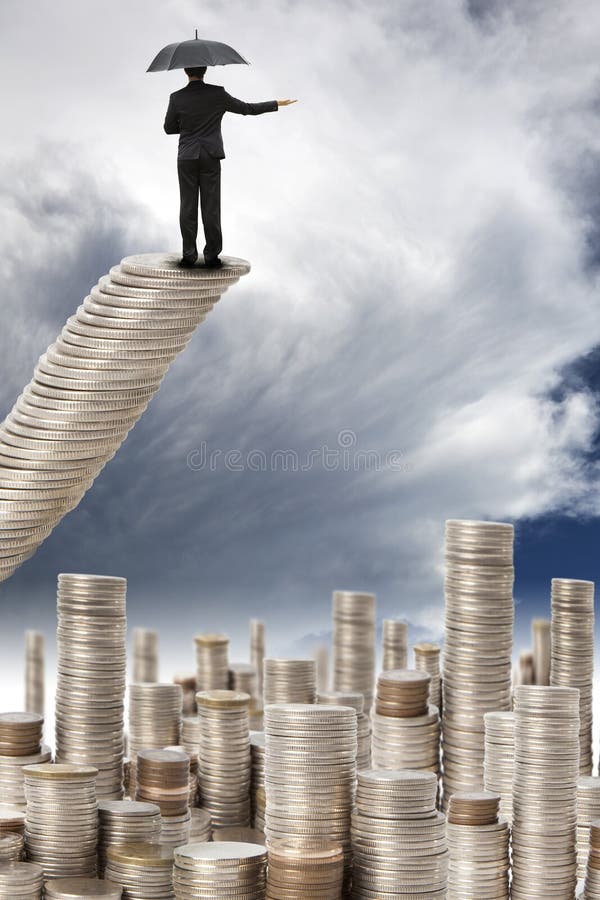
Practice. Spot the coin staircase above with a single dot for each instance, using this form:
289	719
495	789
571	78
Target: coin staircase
92	385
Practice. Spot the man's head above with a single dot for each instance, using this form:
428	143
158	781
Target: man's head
196	72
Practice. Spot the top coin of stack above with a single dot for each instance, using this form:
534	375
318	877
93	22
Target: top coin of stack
402	693
212	662
163	777
395	644
478	588
20	734
354	643
289	681
473	808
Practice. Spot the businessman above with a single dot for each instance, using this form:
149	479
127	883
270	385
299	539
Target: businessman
195	114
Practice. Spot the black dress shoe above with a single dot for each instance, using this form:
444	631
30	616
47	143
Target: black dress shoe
185	263
215	263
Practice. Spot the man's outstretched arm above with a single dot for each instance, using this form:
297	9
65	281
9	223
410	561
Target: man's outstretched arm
171	125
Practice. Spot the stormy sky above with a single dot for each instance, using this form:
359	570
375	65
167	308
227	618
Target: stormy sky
424	232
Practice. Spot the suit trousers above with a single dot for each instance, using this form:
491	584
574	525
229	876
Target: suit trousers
202	175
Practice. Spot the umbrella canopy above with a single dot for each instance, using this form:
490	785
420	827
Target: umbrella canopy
188	54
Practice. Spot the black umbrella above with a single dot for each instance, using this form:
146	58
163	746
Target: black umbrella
189	54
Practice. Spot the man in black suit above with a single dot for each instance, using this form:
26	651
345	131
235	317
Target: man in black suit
195	114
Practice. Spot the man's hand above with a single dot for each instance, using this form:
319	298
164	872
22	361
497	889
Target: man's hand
285	102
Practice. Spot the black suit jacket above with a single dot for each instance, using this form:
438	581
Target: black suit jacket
195	114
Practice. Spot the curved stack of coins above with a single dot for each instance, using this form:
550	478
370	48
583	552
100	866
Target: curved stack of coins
193	765
395	644
542	650
20	746
143	870
154	720
224	870
499	762
588	811
34	672
12	819
310	773
243	677
257	779
187	684
61	825
126	821
163	777
224	769
200	826
212	662
289	680
81	889
257	650
92	662
305	873
478	846
427	659
592	875
354	644
398	837
92	385
572	660
545	792
406	731
357	702
145	655
21	881
11	847
478	643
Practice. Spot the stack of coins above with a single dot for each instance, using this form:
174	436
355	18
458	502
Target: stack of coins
302	873
143	870
12	819
257	779
572	662
81	889
588	811
398	837
175	830
163	777
525	671
592	875
357	702
478	846
61	826
90	691
243	677
212	662
11	847
395	644
34	672
542	650
92	385
193	764
188	687
239	834
20	746
406	731
227	870
145	655
354	644
257	649
478	643
200	826
190	734
21	881
427	659
289	681
321	657
126	821
154	720
499	762
310	773
545	791
224	769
